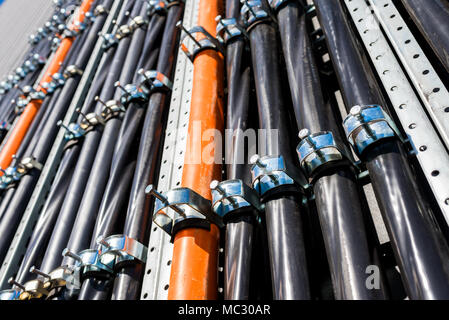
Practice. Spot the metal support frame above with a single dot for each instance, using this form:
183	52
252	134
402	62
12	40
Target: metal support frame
430	150
18	245
160	249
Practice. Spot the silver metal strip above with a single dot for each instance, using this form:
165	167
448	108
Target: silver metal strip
426	81
430	150
37	200
160	250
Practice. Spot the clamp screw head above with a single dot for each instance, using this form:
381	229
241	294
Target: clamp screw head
304	133
255	159
67	253
355	110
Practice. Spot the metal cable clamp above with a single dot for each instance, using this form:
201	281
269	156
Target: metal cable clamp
73	131
99	10
58	80
228	29
230	196
9	178
119	250
207	42
273	174
318	151
131	94
9	294
111	109
276	4
152	81
27	164
253	12
368	124
137	22
72	71
90	121
123	31
181	206
109	40
88	263
157	6
63	276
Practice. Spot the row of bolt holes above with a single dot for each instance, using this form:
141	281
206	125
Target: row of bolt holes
434	173
155	228
149	270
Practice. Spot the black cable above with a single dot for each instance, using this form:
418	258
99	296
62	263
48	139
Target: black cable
128	280
417	242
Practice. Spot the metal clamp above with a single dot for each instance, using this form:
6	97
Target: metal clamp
123	31
111	108
275	4
205	43
119	249
109	40
36	95
58	80
10	294
27	164
368	124
99	10
90	120
231	195
10	177
131	94
137	22
228	29
184	204
272	172
20	105
33	289
318	149
157	6
21	72
152	81
63	276
73	131
72	71
89	263
252	12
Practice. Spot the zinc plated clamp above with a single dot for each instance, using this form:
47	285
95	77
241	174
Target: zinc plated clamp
273	174
366	125
63	276
9	294
109	40
10	177
90	121
88	263
182	207
231	197
206	42
253	12
31	290
73	131
119	250
131	94
137	22
319	151
58	80
72	71
111	108
154	81
228	29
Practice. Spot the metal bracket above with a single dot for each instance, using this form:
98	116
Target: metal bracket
137	22
318	149
208	42
231	195
90	120
10	294
63	276
272	172
73	131
10	176
123	31
152	81
111	109
33	289
184	204
118	249
27	164
99	10
72	71
131	94
90	263
228	29
368	124
253	12
109	40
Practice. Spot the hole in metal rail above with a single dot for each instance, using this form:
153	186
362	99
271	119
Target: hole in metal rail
423	148
412	126
435	173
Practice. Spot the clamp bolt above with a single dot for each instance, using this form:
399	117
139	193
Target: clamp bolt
180	25
11	281
34	270
67	253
